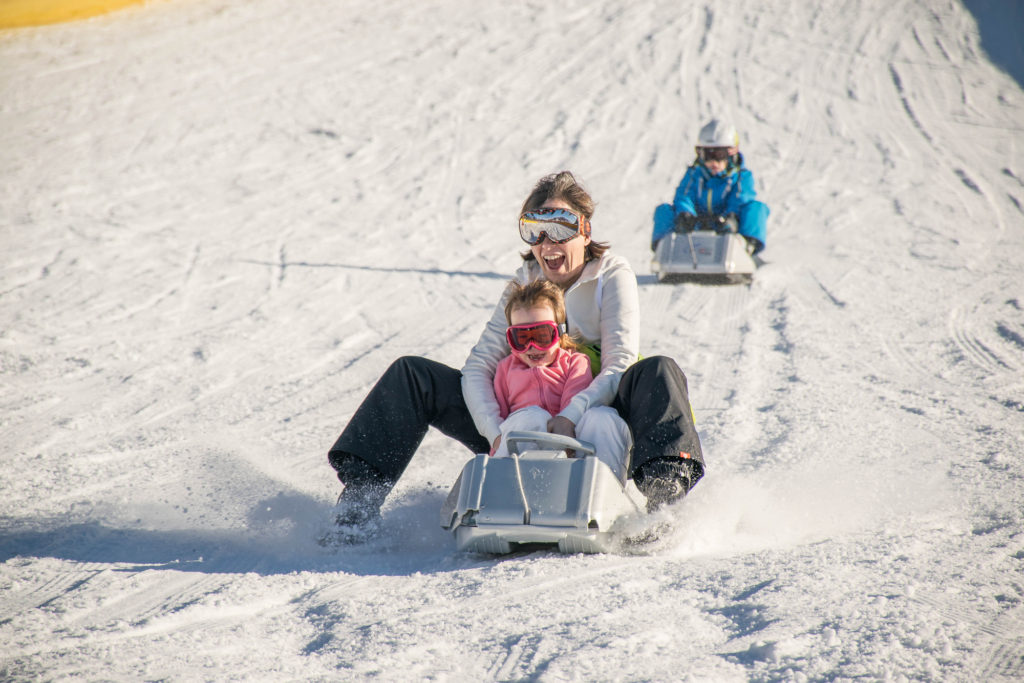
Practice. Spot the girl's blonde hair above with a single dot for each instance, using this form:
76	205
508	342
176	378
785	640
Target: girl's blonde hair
538	293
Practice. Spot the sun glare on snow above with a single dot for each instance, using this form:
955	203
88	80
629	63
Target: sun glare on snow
20	13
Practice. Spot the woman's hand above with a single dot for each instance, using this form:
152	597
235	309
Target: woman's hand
494	446
562	425
565	427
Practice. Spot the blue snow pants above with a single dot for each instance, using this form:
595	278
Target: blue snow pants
753	220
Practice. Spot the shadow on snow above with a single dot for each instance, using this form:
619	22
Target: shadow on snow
278	538
380	269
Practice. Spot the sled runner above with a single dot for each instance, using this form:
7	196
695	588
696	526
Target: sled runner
536	497
703	256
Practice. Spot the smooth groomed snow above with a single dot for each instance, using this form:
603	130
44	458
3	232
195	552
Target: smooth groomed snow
221	221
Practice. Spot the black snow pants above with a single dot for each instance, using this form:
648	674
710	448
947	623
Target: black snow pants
416	393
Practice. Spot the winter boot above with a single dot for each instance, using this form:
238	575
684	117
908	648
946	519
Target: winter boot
357	512
664	480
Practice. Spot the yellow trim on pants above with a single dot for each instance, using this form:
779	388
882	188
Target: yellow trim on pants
21	13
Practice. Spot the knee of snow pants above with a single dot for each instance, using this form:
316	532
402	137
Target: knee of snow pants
753	219
664	220
653	400
412	395
603	427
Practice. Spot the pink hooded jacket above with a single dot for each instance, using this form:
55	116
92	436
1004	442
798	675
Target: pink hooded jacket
517	385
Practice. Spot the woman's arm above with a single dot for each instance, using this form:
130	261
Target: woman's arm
619	311
478	374
578	377
501	390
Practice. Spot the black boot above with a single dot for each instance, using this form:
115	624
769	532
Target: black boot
665	480
357	512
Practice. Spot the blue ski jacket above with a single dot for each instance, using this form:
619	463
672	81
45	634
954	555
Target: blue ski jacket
731	191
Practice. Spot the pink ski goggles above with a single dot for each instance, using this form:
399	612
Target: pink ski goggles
542	336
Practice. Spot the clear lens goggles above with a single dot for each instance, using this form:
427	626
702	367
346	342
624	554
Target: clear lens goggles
559	225
542	336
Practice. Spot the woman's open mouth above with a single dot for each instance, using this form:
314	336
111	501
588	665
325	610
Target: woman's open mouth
554	261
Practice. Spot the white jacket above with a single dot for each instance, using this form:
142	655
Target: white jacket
602	308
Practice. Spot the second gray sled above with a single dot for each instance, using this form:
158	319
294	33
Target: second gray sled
537	497
703	256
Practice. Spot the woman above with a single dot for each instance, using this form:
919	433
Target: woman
602	308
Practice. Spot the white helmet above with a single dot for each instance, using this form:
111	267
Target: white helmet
718	133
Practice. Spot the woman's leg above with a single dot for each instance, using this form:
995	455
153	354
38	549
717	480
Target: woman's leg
412	395
609	433
653	399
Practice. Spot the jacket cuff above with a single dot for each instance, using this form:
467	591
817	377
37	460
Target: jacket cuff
491	431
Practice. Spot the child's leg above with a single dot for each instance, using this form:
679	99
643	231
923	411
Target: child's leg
609	433
664	221
530	419
753	223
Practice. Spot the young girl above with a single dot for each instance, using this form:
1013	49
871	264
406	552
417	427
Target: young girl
544	371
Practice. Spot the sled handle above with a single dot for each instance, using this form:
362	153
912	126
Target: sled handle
513	439
522	489
693	250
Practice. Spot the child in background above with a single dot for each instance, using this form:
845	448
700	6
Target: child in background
544	371
716	192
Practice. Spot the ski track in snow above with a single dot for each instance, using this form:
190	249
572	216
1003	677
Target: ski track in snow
221	222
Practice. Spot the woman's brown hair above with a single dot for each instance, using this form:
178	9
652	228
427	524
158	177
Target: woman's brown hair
563	186
538	293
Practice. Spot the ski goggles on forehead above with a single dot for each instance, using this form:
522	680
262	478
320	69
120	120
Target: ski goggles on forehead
713	153
542	335
559	225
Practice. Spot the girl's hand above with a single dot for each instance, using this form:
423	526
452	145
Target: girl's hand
494	446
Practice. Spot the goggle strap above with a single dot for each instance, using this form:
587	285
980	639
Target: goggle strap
562	328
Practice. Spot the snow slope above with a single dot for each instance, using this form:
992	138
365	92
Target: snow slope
221	221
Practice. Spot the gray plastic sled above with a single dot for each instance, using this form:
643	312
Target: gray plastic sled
537	496
703	256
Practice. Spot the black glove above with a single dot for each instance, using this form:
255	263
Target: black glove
685	222
726	223
707	221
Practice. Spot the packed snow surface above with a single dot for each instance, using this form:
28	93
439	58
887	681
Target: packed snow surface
221	221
